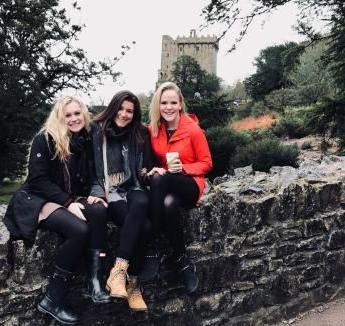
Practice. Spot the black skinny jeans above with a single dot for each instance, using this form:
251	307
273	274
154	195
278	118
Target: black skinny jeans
169	192
131	217
77	234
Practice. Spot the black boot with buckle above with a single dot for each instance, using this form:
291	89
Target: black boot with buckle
53	300
95	281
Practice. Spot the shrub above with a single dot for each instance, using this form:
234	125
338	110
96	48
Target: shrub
259	108
291	126
223	144
328	118
279	99
261	134
265	154
306	145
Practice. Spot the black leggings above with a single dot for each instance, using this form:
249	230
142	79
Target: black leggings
169	192
77	234
131	217
96	216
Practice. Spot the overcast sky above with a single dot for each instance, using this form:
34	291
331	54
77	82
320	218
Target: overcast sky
109	24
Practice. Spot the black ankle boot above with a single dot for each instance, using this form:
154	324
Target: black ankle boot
150	266
53	301
95	285
187	272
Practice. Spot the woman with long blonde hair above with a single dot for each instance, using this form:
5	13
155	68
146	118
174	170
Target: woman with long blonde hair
54	197
182	158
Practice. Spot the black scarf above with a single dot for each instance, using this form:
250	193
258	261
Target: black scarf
121	157
117	141
79	162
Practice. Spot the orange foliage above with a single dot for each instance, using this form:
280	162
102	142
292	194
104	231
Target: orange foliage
263	121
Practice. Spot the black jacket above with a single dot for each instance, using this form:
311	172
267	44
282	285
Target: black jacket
98	186
46	182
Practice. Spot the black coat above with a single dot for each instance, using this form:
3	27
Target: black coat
46	182
98	186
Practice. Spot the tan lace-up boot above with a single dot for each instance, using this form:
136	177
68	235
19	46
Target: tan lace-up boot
116	282
135	298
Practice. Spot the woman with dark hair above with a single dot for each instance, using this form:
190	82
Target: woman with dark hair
123	156
54	197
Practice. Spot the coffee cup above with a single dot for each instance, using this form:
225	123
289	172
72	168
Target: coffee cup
171	158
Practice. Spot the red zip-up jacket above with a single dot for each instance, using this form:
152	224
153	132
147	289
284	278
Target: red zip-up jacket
190	142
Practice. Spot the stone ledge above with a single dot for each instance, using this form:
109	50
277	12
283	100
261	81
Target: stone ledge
262	256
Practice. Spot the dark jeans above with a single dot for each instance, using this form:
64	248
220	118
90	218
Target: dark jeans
131	217
169	193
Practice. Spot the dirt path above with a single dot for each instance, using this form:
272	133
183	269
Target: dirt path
329	314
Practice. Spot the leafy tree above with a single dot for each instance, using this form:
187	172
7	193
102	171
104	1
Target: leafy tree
145	100
201	91
328	119
188	74
272	66
37	60
230	13
335	55
311	79
332	12
238	92
211	111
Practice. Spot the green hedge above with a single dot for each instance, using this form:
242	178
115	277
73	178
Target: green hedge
223	144
266	153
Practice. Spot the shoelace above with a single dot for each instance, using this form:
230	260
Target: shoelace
122	273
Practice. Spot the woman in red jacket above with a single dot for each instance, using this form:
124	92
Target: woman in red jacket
179	182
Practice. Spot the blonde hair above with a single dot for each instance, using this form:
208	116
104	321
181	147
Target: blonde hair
155	115
56	127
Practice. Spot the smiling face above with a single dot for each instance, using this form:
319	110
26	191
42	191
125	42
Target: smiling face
74	117
170	107
125	114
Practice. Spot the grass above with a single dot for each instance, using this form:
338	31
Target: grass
7	189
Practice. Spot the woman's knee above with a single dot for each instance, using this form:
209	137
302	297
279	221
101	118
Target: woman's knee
171	203
67	224
140	202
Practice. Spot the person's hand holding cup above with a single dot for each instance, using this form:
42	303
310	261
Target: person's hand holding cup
173	162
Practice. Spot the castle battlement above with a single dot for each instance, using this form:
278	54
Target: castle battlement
201	39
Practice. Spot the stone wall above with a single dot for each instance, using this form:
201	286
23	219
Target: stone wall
267	246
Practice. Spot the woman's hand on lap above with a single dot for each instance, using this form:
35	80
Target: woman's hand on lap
94	200
160	171
75	208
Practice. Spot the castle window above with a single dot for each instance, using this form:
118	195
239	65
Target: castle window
167	54
181	48
197	48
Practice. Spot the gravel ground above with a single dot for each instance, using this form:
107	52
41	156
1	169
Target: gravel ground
328	314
